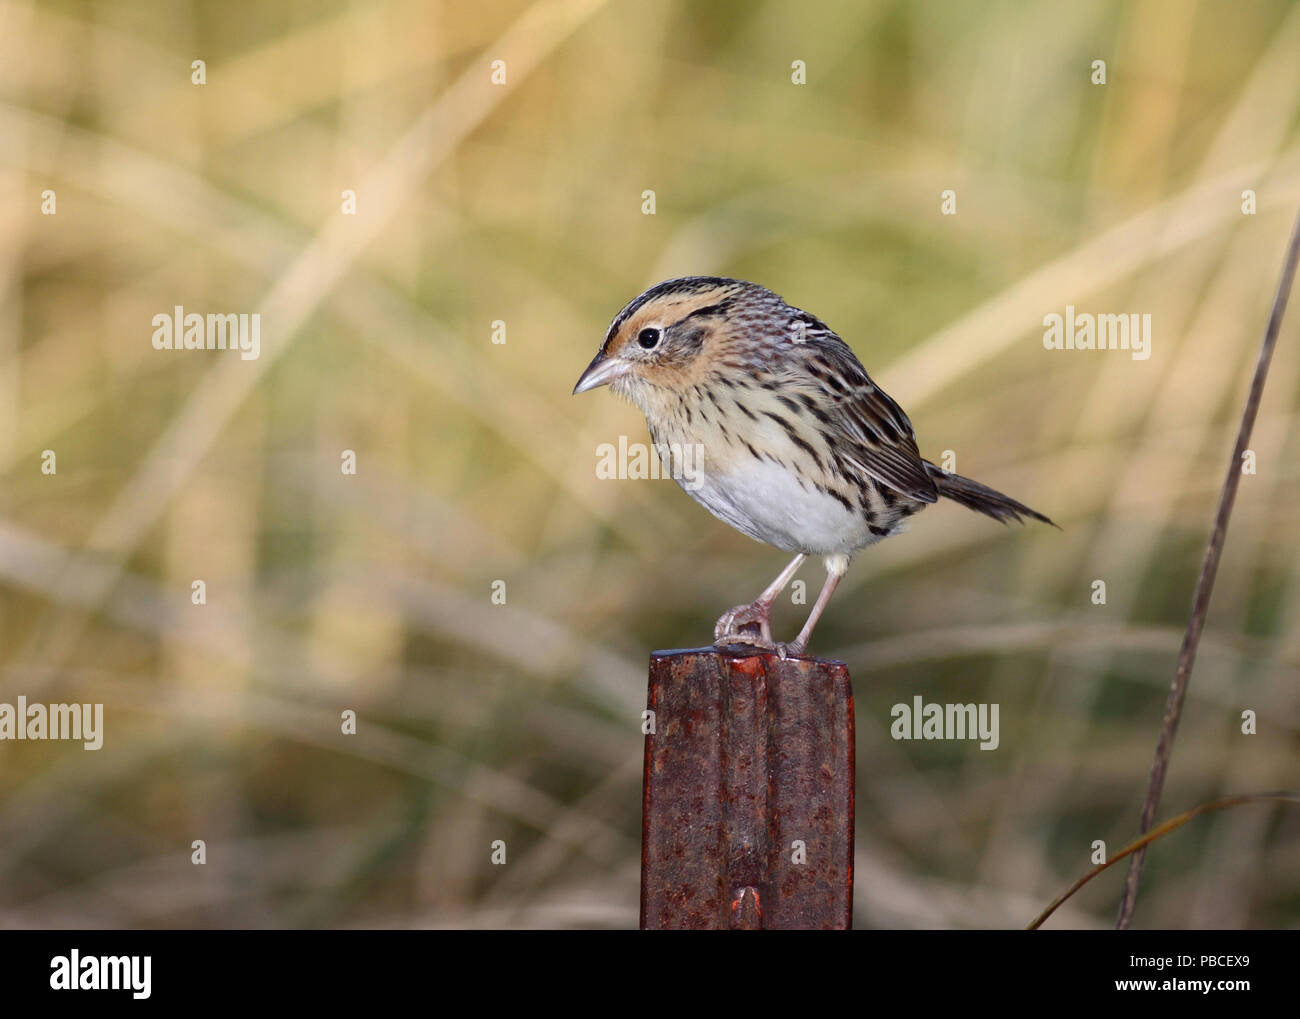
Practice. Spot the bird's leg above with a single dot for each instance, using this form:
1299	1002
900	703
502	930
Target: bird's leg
836	566
729	628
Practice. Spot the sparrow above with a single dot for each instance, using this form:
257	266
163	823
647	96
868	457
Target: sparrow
766	417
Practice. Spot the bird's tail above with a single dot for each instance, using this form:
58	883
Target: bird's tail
981	498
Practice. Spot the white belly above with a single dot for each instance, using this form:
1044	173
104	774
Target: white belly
766	502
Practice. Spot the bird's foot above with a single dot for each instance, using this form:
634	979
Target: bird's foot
736	626
792	649
746	637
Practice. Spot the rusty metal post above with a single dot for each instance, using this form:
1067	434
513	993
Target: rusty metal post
747	818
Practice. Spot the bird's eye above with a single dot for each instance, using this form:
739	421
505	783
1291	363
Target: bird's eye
648	337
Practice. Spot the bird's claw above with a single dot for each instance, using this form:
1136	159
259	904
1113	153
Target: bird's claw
730	629
739	626
784	650
743	637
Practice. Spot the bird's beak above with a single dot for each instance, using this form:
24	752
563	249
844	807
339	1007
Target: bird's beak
601	372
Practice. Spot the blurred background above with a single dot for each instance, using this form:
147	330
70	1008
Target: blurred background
522	203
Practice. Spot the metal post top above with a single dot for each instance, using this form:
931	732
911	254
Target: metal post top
743	651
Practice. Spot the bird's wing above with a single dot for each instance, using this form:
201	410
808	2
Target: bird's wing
867	429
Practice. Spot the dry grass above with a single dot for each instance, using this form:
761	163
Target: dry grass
478	203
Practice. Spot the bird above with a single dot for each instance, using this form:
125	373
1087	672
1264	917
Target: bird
797	446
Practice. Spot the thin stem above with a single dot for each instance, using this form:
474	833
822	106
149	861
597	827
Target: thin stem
1205	582
1140	845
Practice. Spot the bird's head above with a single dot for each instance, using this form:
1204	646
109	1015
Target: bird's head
665	338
